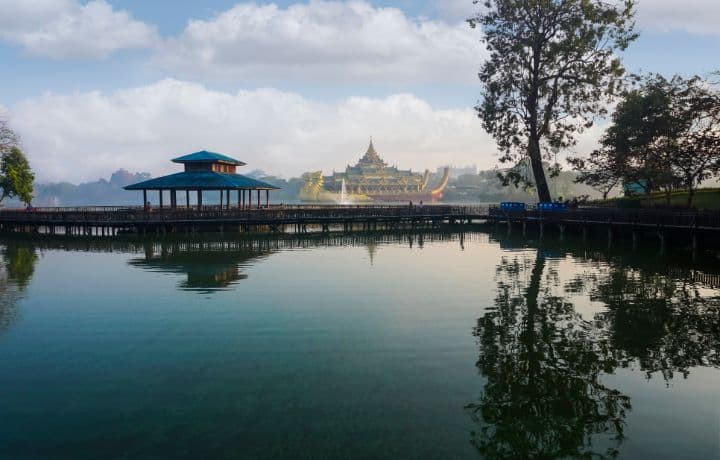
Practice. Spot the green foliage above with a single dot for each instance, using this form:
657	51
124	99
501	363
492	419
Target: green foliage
8	138
664	134
16	176
704	198
552	68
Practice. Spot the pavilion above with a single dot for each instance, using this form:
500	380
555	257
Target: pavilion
206	171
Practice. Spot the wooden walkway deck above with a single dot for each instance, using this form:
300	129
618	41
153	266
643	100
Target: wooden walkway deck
598	216
686	227
104	221
109	221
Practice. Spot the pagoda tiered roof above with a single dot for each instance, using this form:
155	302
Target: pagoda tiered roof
202	180
204	156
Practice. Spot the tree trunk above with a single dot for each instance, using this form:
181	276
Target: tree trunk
691	195
538	172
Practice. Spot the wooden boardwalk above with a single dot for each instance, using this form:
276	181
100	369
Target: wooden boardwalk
599	216
104	221
686	227
109	221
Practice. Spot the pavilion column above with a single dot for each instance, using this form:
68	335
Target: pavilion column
227	199
258	198
187	199
239	198
267	198
173	199
160	193
243	199
221	198
145	202
199	199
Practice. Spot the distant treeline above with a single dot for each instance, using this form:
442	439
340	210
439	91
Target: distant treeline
481	187
486	187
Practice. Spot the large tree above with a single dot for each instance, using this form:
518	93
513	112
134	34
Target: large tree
695	140
552	68
16	176
631	149
8	138
664	134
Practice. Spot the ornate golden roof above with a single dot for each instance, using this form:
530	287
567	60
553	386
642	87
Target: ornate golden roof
371	158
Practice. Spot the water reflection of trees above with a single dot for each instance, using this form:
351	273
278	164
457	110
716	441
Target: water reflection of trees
18	266
543	397
544	361
660	324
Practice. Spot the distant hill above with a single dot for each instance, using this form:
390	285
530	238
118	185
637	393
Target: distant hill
481	187
102	192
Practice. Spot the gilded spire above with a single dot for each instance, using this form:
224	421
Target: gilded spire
371	149
371	157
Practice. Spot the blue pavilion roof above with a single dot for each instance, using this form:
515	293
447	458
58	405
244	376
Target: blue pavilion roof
202	180
204	157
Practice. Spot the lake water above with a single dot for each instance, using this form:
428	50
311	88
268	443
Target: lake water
441	346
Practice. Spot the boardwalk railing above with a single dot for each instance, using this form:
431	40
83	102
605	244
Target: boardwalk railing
271	214
614	216
279	215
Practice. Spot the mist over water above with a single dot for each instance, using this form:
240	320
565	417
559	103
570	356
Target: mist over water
386	345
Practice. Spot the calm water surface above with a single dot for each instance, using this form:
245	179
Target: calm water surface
440	346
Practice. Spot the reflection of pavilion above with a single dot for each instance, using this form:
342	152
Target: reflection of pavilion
208	267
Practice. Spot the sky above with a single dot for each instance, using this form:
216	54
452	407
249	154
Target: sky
286	86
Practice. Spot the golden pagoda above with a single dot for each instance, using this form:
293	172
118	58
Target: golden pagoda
371	179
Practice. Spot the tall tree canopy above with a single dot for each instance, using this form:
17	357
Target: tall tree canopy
16	176
8	138
664	134
552	68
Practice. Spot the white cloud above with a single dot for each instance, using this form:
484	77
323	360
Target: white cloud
68	29
325	41
692	16
84	136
